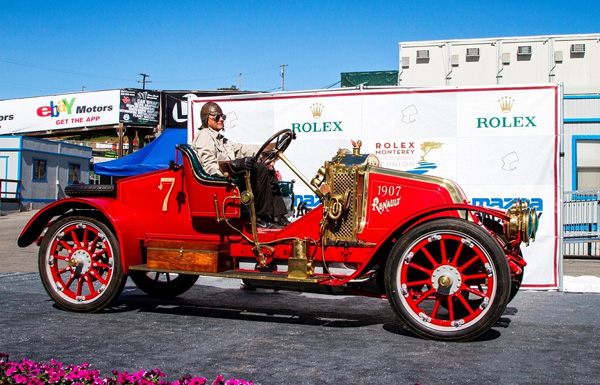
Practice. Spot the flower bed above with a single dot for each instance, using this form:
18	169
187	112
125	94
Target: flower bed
36	373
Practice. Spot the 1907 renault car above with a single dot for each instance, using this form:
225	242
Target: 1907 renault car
447	268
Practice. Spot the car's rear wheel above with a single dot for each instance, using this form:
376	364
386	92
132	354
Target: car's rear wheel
448	279
80	264
164	285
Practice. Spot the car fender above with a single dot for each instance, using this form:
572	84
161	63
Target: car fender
127	228
430	213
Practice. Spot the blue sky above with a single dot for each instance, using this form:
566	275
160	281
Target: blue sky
59	47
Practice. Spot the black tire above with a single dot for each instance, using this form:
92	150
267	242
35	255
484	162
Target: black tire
80	264
163	285
91	190
448	279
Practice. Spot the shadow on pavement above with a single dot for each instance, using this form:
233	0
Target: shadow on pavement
278	307
260	305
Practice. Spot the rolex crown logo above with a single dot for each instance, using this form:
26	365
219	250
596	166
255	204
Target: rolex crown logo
317	110
506	103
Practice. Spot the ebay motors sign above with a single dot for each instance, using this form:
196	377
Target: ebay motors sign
59	112
65	106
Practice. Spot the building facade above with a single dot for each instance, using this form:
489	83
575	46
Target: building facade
34	172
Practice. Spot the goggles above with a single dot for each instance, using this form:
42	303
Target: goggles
217	117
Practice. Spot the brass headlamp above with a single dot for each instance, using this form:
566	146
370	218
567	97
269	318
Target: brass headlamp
522	221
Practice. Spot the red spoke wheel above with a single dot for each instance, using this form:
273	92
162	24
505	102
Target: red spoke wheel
163	285
80	264
448	279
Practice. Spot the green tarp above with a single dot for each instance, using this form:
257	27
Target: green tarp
373	78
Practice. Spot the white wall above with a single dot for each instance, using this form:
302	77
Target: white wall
551	60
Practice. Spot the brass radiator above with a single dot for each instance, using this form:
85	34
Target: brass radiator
343	182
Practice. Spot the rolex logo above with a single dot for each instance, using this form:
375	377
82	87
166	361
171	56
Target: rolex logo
506	103
317	110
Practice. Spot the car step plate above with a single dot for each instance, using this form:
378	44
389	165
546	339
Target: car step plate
240	274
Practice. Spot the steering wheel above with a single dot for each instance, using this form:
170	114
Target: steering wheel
282	140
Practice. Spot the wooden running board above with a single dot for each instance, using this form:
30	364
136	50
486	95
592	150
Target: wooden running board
239	274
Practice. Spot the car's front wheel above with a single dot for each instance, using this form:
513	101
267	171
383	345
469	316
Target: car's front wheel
80	264
448	279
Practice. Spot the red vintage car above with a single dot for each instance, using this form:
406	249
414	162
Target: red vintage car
447	268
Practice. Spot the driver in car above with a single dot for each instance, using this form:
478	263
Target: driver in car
222	157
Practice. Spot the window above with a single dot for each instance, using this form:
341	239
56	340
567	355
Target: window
39	169
524	50
73	173
577	48
587	166
423	54
524	53
472	52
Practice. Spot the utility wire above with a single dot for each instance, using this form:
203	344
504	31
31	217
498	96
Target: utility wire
158	80
59	70
332	84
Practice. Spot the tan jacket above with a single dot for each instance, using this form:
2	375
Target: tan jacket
212	147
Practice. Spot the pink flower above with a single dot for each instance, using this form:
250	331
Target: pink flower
55	377
156	373
56	364
32	373
20	379
135	377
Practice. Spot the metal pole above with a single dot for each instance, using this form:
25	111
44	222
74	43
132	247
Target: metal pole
283	75
144	81
121	132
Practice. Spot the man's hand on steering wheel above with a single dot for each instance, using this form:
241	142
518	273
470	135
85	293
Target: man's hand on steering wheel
243	164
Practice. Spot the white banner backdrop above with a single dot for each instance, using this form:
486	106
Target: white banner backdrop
498	143
59	112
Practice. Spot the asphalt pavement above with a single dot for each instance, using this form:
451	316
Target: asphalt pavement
278	337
